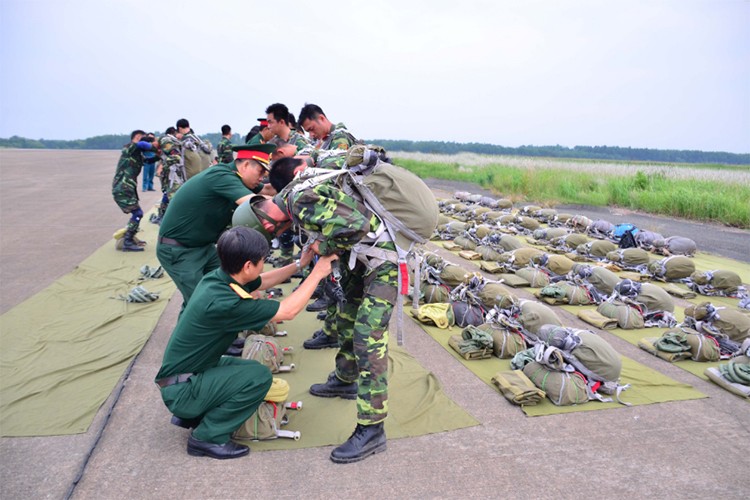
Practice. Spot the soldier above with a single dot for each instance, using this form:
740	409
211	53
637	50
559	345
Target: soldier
201	210
278	123
196	152
335	222
125	185
216	394
264	133
150	158
224	149
172	170
332	141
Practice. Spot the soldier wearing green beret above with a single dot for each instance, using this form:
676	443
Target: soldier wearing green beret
201	209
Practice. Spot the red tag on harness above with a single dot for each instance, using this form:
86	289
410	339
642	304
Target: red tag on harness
404	272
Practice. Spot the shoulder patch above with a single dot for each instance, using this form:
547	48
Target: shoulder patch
240	291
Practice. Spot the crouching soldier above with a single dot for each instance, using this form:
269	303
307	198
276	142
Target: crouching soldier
215	394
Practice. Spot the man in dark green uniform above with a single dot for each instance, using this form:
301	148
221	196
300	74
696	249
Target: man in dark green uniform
216	394
201	209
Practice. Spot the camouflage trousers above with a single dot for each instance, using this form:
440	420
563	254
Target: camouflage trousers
362	328
125	193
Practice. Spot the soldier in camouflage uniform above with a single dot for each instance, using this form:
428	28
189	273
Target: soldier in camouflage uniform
224	149
172	173
278	122
196	152
329	151
125	185
335	222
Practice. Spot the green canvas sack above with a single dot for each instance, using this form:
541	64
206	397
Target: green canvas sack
559	264
495	294
528	223
505	343
433	293
599	277
628	318
695	345
598	356
672	268
265	424
719	282
562	388
655	298
487	253
453	275
630	257
534	315
465	243
266	351
535	277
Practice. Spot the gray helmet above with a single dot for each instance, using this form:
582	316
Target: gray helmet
245	215
628	288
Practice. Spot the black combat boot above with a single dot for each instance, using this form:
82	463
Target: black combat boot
366	440
335	387
129	244
321	304
320	340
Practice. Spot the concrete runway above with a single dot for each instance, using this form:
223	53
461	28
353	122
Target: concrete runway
56	209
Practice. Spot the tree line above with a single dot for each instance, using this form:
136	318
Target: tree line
117	141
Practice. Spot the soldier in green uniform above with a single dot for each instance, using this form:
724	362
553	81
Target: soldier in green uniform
264	134
201	210
216	394
172	170
335	222
224	149
125	185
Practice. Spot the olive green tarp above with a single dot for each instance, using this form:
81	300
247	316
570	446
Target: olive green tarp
65	348
647	386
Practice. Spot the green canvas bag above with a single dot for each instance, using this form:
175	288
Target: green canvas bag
628	318
562	388
495	294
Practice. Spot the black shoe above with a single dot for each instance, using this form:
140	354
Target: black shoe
320	304
233	351
230	449
366	440
185	423
298	275
320	340
322	315
334	387
282	261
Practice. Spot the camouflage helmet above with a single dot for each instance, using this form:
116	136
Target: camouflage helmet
245	215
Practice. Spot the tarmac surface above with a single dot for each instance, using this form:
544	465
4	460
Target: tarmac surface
56	209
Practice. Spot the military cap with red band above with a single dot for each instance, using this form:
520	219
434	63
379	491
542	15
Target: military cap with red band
258	152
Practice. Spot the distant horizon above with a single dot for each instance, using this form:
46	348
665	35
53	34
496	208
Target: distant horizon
234	133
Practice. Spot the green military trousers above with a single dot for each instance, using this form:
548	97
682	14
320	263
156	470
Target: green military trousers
224	397
186	266
362	328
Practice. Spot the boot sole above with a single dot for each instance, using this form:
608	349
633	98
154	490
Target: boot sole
200	453
376	450
316	347
345	395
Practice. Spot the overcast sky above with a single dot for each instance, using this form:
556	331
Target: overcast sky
641	73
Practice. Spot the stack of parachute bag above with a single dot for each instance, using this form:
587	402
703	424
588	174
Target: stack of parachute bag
709	333
267	421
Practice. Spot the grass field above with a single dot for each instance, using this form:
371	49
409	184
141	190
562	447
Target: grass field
719	193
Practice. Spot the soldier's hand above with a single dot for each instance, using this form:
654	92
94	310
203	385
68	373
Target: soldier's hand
306	256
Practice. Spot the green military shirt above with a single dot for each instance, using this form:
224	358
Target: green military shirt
256	139
210	323
224	151
202	208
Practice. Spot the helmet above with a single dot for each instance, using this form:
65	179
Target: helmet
245	215
628	288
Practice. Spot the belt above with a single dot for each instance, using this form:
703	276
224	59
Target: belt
174	379
170	241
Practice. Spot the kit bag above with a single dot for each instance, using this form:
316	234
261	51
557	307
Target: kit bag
562	388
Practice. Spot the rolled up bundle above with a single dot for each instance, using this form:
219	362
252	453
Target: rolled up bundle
518	388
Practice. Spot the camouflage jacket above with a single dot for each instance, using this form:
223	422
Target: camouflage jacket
330	215
298	140
171	151
224	151
330	152
131	162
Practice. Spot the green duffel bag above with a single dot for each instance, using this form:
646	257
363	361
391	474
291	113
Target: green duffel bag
628	318
598	356
433	259
529	209
599	277
562	388
536	277
465	243
672	268
522	257
495	294
505	344
597	249
559	264
683	339
630	257
506	219
535	314
264	424
528	223
726	282
453	275
572	240
482	230
493	216
655	298
453	227
487	253
733	323
504	204
443	220
433	294
579	222
509	243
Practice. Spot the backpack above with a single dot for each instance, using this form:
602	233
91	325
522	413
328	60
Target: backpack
627	240
494	294
628	318
599	277
620	229
267	352
562	388
432	293
688	343
726	283
721	321
672	268
505	343
537	278
271	415
466	314
532	315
